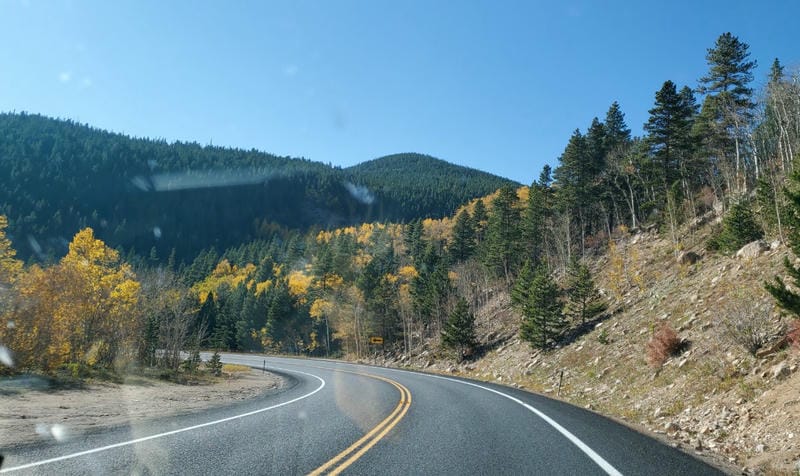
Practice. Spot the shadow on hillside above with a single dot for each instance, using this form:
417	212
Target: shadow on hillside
581	330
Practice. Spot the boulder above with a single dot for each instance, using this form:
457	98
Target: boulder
688	257
752	250
780	370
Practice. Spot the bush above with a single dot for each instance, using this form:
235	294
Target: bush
215	364
793	334
662	345
749	326
739	227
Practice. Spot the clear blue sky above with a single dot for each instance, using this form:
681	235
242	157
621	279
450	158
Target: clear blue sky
493	85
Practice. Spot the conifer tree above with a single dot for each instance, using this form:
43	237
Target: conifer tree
502	234
584	301
739	227
542	320
480	218
459	331
462	245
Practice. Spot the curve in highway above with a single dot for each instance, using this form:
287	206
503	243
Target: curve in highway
339	417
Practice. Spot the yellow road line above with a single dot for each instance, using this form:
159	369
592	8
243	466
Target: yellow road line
373	436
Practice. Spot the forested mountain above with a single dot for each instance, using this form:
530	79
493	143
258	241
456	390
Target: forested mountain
59	176
431	187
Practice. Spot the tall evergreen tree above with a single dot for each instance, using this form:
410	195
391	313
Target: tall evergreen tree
584	301
462	244
480	218
543	320
459	331
502	234
727	107
617	133
669	135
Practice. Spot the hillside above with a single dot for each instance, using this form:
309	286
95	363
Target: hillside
713	398
431	187
59	176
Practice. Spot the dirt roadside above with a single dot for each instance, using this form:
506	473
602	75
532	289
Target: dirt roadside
31	412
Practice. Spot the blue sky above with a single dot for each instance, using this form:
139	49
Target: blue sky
498	86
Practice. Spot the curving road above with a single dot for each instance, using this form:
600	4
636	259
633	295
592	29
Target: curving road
338	417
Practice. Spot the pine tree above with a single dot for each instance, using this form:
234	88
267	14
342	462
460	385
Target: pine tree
584	301
502	234
462	245
669	133
727	106
520	293
214	364
787	297
542	316
739	227
459	331
618	134
534	222
480	218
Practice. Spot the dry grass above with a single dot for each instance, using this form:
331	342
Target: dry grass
234	368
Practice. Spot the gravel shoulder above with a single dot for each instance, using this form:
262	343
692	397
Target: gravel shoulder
31	412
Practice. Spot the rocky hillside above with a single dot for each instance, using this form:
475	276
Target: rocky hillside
713	397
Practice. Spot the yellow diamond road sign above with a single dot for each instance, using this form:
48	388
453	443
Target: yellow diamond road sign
376	340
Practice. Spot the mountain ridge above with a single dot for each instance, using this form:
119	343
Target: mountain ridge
138	193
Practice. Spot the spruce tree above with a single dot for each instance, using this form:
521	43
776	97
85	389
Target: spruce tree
739	227
542	320
534	223
584	301
522	286
787	297
728	103
462	245
480	218
502	237
459	331
669	133
618	135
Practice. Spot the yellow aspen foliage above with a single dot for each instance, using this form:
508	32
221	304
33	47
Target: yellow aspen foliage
223	268
333	281
324	237
437	230
390	278
407	272
277	270
320	308
80	310
299	283
10	267
361	259
452	275
364	234
224	274
263	287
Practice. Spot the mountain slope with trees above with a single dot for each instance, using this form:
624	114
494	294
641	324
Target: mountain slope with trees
431	187
616	262
138	194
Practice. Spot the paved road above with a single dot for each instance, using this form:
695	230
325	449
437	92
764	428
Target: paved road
339	417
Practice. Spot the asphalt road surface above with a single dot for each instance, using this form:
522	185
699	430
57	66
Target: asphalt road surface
354	419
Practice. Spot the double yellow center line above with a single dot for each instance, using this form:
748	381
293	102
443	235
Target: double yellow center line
357	449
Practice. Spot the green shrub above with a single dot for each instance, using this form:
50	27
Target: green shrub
739	227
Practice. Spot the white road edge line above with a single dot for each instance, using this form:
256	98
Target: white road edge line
599	460
168	433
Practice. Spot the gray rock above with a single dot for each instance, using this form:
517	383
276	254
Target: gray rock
752	250
780	370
